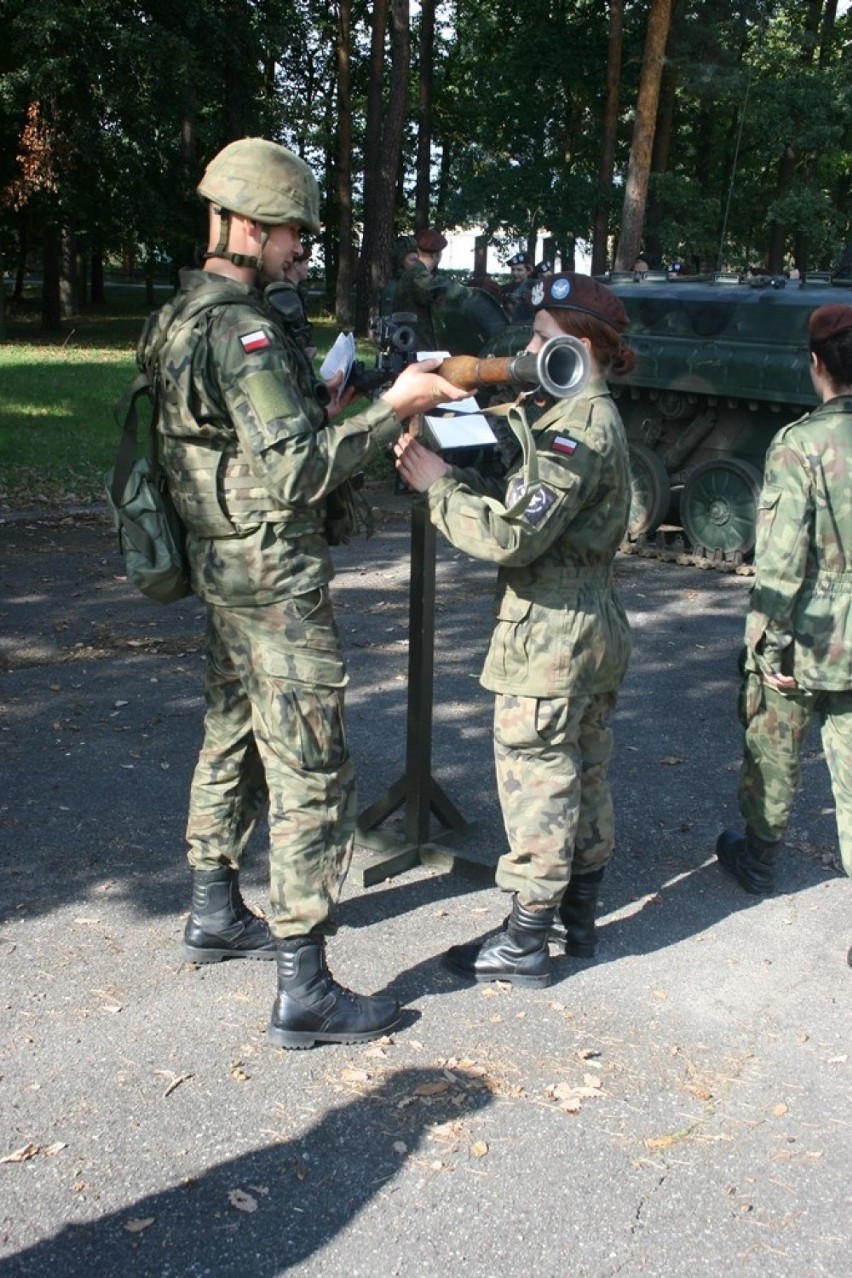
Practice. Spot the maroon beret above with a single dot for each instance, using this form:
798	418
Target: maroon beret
572	292
828	321
431	241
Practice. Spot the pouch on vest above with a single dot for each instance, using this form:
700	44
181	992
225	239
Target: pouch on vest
151	536
347	512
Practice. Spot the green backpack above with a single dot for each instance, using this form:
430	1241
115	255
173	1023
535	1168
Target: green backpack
151	535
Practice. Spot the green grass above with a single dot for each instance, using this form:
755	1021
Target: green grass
57	431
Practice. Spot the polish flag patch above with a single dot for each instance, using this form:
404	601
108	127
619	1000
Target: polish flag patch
562	444
255	341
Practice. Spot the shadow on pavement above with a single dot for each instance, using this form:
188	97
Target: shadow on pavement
266	1212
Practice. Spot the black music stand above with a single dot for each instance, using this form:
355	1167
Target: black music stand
417	790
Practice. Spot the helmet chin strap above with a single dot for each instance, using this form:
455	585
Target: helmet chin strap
221	249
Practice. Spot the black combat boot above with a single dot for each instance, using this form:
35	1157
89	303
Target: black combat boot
574	926
312	1008
518	954
751	861
220	924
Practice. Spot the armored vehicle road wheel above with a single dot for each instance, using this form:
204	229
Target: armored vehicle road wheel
650	491
718	506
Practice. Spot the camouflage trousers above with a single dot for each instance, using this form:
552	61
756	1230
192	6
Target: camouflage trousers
776	725
551	756
274	741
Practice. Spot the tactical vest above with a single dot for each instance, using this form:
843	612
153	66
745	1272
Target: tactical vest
210	480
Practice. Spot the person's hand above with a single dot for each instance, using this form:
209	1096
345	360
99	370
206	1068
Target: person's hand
417	465
419	388
339	399
780	682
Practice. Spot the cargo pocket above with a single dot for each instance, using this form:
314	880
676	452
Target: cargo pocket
510	642
767	507
750	698
301	642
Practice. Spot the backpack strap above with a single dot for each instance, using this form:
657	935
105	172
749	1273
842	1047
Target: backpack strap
125	409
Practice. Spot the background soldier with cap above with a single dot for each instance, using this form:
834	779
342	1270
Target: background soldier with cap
799	625
419	286
516	294
560	644
253	467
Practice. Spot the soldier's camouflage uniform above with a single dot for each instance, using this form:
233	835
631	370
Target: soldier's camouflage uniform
416	290
561	643
800	621
250	465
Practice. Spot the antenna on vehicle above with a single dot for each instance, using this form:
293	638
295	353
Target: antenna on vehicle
719	258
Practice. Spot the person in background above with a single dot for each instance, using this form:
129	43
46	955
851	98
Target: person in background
420	285
404	257
561	642
516	294
799	625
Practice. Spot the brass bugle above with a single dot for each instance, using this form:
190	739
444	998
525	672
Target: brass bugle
561	368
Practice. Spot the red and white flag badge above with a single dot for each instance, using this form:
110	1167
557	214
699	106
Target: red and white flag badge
255	341
562	444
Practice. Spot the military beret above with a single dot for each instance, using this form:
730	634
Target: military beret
520	259
431	241
829	321
544	267
579	293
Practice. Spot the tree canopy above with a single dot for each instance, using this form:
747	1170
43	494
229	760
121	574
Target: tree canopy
463	113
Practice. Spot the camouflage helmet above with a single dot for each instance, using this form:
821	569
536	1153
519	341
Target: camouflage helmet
264	181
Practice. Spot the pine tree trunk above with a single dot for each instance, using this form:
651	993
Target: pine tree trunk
609	127
424	129
343	308
639	164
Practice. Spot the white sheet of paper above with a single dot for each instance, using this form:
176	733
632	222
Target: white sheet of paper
341	356
465	431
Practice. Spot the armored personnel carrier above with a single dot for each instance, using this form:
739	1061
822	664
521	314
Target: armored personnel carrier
722	364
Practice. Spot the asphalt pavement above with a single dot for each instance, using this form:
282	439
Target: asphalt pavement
680	1105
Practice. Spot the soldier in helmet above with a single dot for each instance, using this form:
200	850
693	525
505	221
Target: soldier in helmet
254	467
560	644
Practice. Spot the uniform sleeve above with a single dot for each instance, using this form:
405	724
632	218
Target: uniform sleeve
781	553
277	425
485	529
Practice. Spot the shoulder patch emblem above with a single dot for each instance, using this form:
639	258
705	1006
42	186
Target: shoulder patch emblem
255	341
537	294
564	444
539	504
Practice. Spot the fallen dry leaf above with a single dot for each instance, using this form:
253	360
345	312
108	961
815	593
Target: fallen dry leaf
355	1075
671	760
479	1149
780	1110
431	1089
242	1201
29	1151
571	1105
136	1226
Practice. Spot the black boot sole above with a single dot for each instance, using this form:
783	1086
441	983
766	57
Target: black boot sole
298	1040
510	978
193	955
